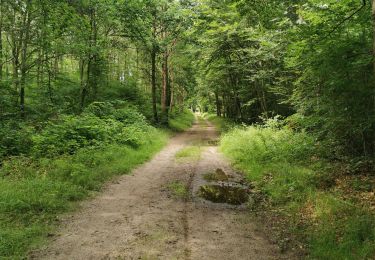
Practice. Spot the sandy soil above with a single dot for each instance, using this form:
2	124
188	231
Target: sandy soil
137	216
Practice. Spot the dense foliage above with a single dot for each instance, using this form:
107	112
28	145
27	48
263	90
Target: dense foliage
307	58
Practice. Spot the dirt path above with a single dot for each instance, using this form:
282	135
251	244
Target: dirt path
137	217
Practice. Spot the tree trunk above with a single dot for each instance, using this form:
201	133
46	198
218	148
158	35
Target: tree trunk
218	105
86	85
1	40
25	42
95	69
153	82
15	66
82	81
373	27
164	89
164	97
15	55
171	87
373	50
224	107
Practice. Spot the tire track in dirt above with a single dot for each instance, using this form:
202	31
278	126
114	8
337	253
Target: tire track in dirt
185	218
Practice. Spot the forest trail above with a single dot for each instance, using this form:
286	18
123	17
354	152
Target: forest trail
137	216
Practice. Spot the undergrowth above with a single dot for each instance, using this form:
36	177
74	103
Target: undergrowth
181	121
283	165
221	123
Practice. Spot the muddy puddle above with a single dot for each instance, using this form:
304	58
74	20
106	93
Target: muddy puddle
213	142
224	188
206	142
233	195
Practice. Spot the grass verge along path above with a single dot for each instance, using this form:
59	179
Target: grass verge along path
302	190
33	194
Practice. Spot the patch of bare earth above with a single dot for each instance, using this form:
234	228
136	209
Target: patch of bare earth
138	217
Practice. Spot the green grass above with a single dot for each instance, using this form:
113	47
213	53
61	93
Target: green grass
189	153
180	122
284	168
34	193
201	120
221	123
179	190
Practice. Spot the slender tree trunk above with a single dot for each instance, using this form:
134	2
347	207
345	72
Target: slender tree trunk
49	85
262	98
218	106
95	58
373	50
373	27
39	68
55	67
25	42
171	87
15	67
164	96
153	83
1	40
224	107
86	84
15	54
82	81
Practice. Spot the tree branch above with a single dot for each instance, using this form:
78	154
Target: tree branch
344	20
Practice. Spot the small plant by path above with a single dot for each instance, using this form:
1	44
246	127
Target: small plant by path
179	190
189	153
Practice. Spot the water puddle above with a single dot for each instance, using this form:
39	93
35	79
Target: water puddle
213	142
205	142
220	193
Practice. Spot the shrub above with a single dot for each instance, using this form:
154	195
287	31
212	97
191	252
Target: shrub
102	123
260	145
15	139
135	135
100	109
180	121
117	110
71	133
129	115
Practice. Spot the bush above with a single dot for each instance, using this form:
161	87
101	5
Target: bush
100	109
117	110
15	139
268	145
71	133
101	124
